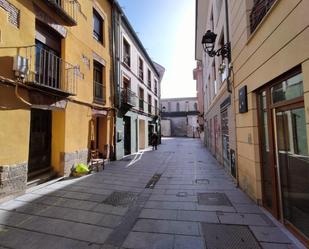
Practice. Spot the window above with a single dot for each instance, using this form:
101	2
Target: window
177	107
215	79
97	26
156	106
140	69
126	53
149	78
149	103
259	10
223	64
141	99
156	87
195	106
98	85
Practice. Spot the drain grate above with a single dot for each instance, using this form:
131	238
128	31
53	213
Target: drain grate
220	236
201	181
213	199
120	198
153	181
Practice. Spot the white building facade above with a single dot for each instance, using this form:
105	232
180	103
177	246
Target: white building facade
138	91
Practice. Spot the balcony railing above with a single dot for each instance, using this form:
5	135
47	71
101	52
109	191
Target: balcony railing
66	9
128	97
99	92
259	10
47	70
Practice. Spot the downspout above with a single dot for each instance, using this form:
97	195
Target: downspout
229	82
229	59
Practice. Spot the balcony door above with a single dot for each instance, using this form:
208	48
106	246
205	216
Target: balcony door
48	62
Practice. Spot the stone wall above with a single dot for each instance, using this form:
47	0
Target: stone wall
13	179
71	159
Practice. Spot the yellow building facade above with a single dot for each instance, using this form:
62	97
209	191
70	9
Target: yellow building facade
270	65
56	91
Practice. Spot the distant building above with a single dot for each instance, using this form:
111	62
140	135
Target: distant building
179	117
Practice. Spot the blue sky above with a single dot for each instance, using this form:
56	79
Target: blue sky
166	29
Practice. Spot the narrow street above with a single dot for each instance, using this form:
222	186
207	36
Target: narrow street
193	205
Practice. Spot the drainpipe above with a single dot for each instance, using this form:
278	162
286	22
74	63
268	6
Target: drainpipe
229	59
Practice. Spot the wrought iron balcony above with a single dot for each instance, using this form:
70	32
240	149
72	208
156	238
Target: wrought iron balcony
99	93
46	70
259	10
128	97
66	9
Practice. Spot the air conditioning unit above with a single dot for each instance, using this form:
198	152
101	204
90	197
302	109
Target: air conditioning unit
21	66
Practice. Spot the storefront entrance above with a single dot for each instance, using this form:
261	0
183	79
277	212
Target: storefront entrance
284	152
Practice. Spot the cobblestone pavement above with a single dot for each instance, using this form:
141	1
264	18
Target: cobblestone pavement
191	203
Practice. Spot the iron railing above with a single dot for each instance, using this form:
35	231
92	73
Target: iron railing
48	70
99	92
259	10
66	9
128	97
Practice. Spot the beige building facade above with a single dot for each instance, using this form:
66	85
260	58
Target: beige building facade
270	57
270	91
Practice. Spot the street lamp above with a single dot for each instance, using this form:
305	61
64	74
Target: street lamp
208	43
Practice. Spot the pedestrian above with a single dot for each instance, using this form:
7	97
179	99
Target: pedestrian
154	141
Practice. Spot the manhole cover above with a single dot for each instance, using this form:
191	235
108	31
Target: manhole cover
213	199
201	181
219	236
119	198
182	194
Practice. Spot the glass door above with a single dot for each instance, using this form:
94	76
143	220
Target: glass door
293	161
268	164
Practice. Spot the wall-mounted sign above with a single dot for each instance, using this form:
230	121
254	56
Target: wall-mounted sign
243	104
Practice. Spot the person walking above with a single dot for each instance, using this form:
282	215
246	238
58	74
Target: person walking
154	141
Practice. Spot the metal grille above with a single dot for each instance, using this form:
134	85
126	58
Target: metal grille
153	181
119	198
213	199
182	194
201	181
219	236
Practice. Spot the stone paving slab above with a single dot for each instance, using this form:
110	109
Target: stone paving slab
166	226
277	246
269	234
67	229
21	239
245	219
199	216
162	214
141	240
188	242
171	205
